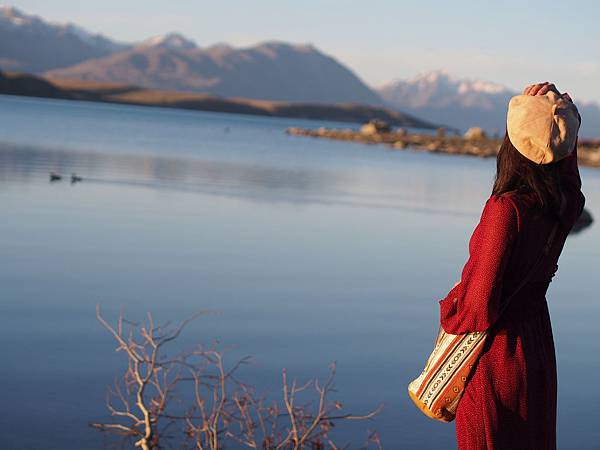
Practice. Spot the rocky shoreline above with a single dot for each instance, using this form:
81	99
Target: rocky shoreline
474	143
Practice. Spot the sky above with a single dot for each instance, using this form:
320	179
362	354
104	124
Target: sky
509	42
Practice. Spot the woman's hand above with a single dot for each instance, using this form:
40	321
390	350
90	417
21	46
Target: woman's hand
541	89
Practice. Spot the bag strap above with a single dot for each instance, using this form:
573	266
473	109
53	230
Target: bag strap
545	251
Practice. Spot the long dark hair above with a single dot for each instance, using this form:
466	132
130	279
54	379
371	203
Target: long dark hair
517	174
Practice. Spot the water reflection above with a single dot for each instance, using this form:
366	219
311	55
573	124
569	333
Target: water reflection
20	164
243	180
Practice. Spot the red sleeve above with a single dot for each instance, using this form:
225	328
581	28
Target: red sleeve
474	304
571	184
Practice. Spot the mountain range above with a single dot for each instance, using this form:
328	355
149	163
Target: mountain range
274	71
267	71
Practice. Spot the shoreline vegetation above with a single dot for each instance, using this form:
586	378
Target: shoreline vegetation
192	398
21	84
474	142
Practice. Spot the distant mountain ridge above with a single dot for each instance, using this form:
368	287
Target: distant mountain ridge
30	44
269	71
463	103
440	88
456	102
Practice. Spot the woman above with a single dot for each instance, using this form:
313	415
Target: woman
510	401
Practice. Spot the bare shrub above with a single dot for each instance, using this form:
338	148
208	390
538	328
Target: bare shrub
193	400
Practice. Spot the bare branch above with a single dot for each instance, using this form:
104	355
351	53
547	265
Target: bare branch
150	403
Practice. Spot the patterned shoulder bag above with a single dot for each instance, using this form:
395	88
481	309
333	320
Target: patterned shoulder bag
439	388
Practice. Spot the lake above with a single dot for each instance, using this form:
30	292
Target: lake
311	251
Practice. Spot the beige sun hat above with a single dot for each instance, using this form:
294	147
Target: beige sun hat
543	128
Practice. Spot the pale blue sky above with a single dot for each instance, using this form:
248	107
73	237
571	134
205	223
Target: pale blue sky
510	42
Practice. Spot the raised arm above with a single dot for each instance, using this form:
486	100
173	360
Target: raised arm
474	303
569	169
571	186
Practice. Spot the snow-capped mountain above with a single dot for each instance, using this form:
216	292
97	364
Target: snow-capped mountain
464	103
442	98
171	41
440	87
29	43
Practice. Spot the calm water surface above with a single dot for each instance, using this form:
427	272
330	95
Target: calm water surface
313	252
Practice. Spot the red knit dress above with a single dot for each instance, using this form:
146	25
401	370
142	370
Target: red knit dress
510	401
